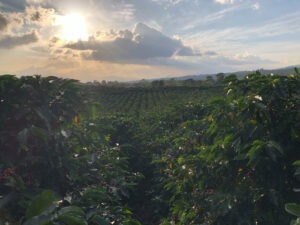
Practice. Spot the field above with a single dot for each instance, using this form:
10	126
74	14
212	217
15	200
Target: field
139	101
212	154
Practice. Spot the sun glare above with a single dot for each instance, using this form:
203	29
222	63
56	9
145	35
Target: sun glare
73	27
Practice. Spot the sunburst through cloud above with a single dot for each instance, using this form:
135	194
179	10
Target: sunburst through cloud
73	27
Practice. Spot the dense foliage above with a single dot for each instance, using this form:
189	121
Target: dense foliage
73	153
234	165
56	167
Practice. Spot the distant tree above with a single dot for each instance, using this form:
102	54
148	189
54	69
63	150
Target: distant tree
103	82
158	83
114	83
171	82
161	83
200	82
220	77
142	83
189	82
209	80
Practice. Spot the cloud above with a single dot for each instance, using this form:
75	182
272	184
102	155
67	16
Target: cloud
256	6
225	1
125	13
33	17
36	1
142	44
210	53
232	39
171	2
213	17
10	21
39	16
3	23
10	41
12	5
247	58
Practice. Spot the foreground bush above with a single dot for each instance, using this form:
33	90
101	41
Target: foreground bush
234	166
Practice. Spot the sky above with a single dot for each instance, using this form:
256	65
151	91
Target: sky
146	39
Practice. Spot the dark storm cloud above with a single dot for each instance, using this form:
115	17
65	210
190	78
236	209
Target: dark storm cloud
9	41
3	23
132	47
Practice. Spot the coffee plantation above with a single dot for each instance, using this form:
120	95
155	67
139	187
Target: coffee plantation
218	153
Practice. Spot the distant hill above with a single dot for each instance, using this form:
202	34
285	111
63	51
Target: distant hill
282	71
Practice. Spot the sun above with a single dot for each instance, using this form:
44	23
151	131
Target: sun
74	27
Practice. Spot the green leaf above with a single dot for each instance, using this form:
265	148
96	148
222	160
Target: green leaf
99	220
297	71
74	210
253	153
94	112
131	222
180	160
40	203
275	145
230	78
127	212
39	133
228	139
293	209
216	100
296	163
71	220
42	219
